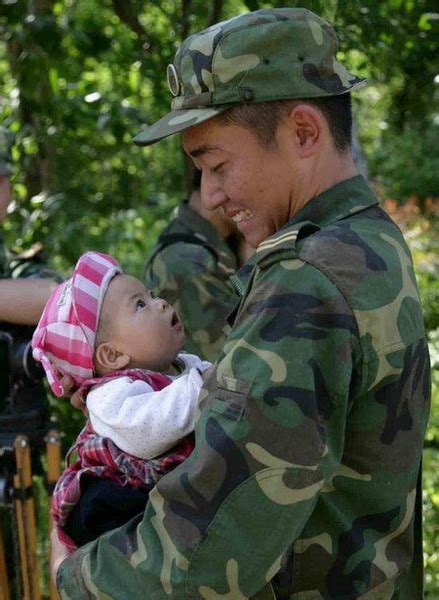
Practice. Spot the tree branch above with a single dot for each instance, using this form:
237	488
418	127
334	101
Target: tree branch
215	11
185	14
127	13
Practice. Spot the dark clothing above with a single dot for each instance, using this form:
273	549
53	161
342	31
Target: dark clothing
104	505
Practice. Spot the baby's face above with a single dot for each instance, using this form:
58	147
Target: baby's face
140	325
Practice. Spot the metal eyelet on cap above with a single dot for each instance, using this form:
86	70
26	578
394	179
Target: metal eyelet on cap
173	80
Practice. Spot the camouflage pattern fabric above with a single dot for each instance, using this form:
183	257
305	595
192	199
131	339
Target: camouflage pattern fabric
309	442
265	55
31	264
196	281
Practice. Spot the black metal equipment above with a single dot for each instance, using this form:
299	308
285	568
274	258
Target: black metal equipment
25	435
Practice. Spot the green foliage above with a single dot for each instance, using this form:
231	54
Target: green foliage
407	164
80	77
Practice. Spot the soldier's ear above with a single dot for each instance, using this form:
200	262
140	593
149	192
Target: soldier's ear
107	358
307	126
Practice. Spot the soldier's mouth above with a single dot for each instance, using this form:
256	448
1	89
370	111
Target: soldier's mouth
242	215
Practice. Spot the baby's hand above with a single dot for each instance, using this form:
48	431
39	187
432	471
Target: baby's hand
205	372
76	399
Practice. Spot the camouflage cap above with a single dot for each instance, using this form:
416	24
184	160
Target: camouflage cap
5	155
271	54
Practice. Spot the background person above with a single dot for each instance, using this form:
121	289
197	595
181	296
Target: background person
190	267
25	285
306	468
25	282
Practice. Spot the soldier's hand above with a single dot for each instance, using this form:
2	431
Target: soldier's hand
58	553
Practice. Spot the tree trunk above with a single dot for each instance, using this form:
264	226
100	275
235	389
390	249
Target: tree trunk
37	105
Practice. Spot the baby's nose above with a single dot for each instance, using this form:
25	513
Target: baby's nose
162	304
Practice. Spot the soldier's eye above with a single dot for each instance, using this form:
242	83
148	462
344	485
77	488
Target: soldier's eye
217	168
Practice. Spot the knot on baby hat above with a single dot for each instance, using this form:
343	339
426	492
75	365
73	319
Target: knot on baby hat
65	336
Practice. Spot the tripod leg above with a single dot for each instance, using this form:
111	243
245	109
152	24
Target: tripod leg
25	510
24	566
4	585
53	448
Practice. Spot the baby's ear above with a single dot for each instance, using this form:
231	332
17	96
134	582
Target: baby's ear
108	358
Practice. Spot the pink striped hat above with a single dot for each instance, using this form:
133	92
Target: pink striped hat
64	339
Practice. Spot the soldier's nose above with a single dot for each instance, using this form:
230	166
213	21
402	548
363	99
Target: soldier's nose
212	196
214	199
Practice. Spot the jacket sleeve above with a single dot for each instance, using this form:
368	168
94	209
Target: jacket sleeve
187	276
268	441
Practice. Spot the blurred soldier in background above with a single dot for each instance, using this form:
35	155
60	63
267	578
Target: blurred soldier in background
25	283
190	267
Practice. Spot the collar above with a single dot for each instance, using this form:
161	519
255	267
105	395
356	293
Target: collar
339	202
336	203
196	223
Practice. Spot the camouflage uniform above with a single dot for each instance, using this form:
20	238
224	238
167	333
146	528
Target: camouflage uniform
26	406
306	468
31	264
194	278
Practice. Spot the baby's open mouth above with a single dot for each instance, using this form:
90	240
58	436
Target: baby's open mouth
175	321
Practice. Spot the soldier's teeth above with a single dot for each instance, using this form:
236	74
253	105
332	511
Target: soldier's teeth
242	216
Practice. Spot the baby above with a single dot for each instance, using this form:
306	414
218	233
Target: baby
122	348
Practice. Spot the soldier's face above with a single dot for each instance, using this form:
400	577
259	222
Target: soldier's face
5	196
256	186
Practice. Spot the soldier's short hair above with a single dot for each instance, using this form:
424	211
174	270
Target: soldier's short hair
263	118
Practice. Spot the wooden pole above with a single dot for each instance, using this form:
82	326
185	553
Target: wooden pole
25	511
53	449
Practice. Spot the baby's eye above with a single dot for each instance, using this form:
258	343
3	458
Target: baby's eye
140	304
151	294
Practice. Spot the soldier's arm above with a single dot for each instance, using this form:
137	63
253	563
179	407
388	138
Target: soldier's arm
22	300
186	276
268	440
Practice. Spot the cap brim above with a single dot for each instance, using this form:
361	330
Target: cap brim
174	122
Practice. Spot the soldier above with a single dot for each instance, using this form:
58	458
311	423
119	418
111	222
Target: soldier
305	477
25	283
190	267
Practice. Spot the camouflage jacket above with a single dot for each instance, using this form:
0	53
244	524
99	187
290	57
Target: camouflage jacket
194	278
309	442
29	264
